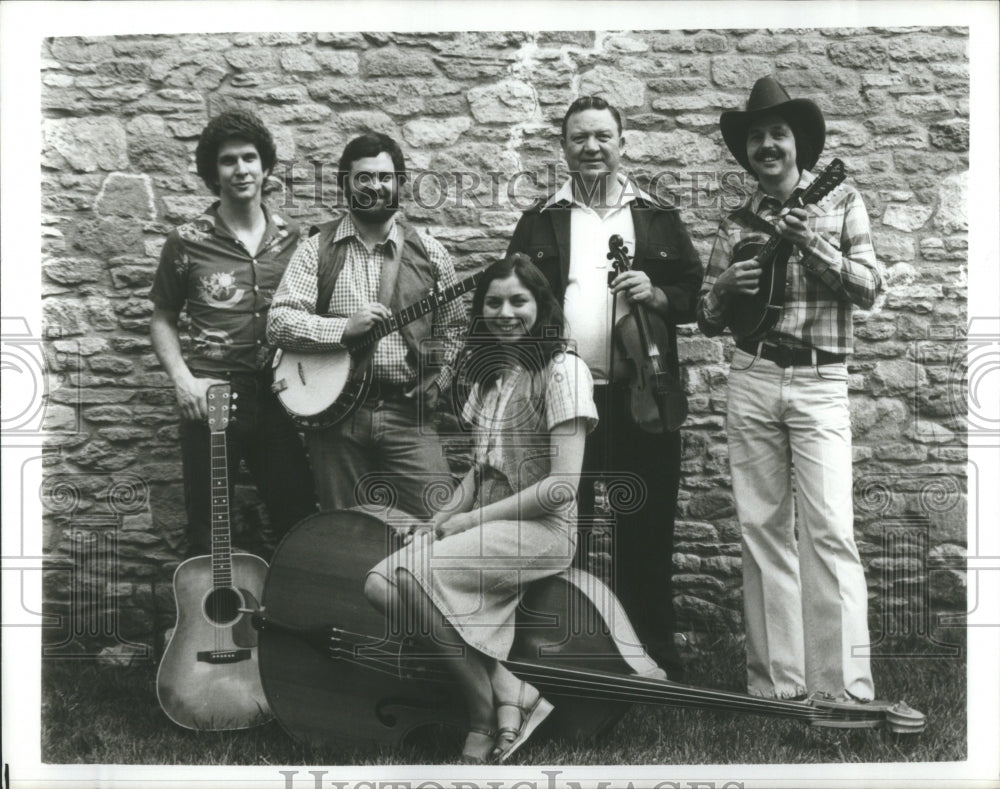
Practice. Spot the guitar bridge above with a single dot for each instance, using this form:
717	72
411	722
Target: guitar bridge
218	657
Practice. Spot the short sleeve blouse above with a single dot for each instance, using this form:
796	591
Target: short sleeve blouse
500	409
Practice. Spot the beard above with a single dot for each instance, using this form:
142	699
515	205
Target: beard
367	205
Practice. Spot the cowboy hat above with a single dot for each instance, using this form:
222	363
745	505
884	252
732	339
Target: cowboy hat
768	96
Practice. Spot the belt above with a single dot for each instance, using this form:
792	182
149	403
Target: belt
783	356
379	390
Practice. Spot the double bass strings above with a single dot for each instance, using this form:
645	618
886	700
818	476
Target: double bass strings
361	649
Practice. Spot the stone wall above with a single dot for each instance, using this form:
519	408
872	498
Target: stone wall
477	114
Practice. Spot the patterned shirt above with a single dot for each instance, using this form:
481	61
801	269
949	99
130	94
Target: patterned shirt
295	325
837	271
227	290
495	413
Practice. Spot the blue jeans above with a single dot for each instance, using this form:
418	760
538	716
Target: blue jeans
381	455
805	600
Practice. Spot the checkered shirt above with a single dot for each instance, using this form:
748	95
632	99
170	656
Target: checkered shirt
837	271
569	394
294	324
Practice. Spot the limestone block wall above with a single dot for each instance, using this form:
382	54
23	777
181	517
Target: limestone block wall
477	114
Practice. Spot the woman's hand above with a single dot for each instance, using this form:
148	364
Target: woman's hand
453	524
417	532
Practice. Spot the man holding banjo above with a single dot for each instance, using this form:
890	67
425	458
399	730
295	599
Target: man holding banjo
346	279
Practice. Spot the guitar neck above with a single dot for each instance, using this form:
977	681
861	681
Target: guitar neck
416	310
222	555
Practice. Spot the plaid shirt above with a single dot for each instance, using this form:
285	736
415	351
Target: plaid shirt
294	324
837	271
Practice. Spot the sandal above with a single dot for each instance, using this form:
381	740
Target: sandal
517	720
478	747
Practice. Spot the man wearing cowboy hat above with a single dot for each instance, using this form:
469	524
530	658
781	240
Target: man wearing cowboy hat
805	600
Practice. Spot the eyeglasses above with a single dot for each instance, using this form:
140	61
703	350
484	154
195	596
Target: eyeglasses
371	179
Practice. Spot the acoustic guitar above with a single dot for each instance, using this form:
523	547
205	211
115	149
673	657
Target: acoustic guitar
750	317
335	675
208	678
318	389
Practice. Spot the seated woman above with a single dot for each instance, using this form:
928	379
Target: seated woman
512	519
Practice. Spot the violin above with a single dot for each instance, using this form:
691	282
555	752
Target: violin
750	317
334	675
642	338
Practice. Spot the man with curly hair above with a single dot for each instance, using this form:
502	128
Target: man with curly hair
223	268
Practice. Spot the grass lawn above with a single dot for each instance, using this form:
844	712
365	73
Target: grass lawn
92	713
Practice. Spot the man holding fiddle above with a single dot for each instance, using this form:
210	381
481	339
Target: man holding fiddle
567	236
788	419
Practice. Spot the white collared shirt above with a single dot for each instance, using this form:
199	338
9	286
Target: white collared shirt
588	305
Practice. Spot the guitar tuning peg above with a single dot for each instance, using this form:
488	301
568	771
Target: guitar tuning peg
235	395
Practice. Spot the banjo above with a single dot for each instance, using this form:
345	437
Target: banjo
318	389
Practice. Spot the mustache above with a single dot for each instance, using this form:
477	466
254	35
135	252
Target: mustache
767	152
366	198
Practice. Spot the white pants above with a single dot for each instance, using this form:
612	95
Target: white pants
805	600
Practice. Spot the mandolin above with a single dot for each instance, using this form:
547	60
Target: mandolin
208	678
750	317
320	389
333	673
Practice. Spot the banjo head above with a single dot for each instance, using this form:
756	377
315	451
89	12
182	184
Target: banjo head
309	383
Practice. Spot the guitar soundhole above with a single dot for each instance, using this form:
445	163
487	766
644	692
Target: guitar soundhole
222	606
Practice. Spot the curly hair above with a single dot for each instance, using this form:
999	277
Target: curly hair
544	339
232	125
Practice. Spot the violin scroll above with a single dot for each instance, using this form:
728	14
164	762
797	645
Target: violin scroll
618	253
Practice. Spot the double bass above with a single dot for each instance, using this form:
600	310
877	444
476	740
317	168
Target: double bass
642	345
334	675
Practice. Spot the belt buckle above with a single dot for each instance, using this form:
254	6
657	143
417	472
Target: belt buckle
782	355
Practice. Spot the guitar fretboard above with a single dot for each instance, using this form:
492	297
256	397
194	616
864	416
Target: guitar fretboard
222	556
416	310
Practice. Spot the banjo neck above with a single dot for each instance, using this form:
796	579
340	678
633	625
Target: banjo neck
417	310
